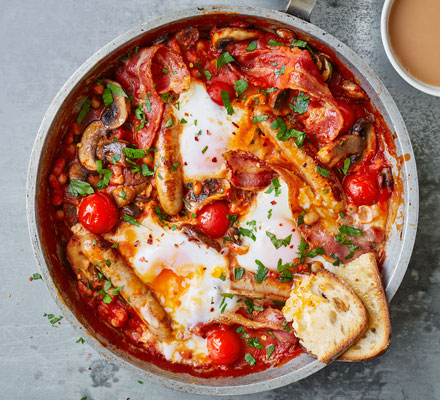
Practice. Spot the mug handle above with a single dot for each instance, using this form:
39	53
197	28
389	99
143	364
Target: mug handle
300	8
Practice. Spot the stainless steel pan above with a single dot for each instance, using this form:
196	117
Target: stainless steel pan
50	255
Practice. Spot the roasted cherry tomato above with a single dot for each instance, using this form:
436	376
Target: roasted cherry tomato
213	219
224	346
98	213
215	91
347	114
362	188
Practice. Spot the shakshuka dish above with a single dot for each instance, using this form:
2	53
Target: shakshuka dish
224	198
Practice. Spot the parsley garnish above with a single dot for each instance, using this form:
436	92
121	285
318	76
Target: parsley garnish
227	102
146	171
259	118
254	342
274	43
79	188
262	271
303	246
107	97
240	86
269	214
350	231
208	74
302	103
116	90
169	123
232	218
130	220
223	59
115	158
247	232
104	175
300	219
36	276
322	171
270	350
80	340
274	186
252	46
280	71
52	319
299	43
346	166
251	307
204	149
337	261
133	153
286	326
241	331
249	359
84	110
279	242
147	102
238	273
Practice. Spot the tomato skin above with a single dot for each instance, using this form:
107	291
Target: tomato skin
98	213
347	114
224	346
215	89
362	188
213	219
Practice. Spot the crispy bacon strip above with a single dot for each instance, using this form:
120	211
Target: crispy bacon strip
140	297
153	71
248	171
328	189
285	68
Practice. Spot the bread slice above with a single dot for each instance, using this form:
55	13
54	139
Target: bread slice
363	276
326	315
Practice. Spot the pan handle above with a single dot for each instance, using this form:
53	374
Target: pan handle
300	8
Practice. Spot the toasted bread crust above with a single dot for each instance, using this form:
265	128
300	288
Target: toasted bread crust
313	301
363	276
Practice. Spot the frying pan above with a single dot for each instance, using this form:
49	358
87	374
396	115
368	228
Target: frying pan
49	251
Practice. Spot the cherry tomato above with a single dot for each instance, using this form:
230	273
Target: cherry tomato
362	188
98	213
213	219
224	346
215	91
347	114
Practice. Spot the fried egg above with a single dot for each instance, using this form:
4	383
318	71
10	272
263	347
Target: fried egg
268	220
207	132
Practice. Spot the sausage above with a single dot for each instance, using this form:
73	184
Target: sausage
169	169
134	291
328	189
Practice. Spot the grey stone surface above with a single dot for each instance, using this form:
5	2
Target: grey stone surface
42	43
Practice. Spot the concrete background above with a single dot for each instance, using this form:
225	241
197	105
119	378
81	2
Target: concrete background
42	43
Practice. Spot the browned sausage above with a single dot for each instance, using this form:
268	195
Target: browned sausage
169	169
137	294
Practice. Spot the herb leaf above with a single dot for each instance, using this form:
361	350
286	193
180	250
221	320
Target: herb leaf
279	242
347	163
259	118
208	74
116	90
104	175
79	188
274	186
302	103
322	171
350	231
270	350
254	342
130	220
133	153
238	273
240	86
223	59
84	110
252	46
250	359
227	102
274	43
247	232
262	271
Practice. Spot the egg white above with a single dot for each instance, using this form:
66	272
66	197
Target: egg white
207	134
279	221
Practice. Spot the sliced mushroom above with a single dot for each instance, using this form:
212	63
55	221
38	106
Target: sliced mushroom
223	36
212	189
76	171
325	67
116	113
126	194
132	210
94	132
353	90
112	151
195	233
364	128
335	151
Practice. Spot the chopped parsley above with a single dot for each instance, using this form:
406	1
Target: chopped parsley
346	166
116	90
208	74
337	261
299	43
322	171
238	273
115	158
286	326
274	186
130	220
139	114
251	307
133	153
280	71
169	123
250	359
302	103
262	271
350	231
247	232
259	118
80	340
303	254
223	59
104	175
342	215
254	342
107	97
84	110
270	350
300	219
232	218
183	121
175	165
240	86
204	149
146	171
274	43
36	276
269	214
52	319
79	188
147	102
279	242
227	102
252	46
241	331
279	125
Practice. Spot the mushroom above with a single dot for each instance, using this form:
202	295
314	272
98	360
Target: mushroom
212	189
124	195
195	233
325	67
76	171
353	90
386	178
223	36
115	114
94	132
110	150
358	145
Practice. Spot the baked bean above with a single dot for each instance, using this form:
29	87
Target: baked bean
57	197
62	178
59	215
95	102
197	188
75	129
58	166
98	89
53	182
70	150
69	138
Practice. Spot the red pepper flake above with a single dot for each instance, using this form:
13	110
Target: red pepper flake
136	243
214	159
233	123
207	132
233	133
196	139
273	202
185	163
150	239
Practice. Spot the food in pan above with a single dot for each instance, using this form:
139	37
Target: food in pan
224	196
